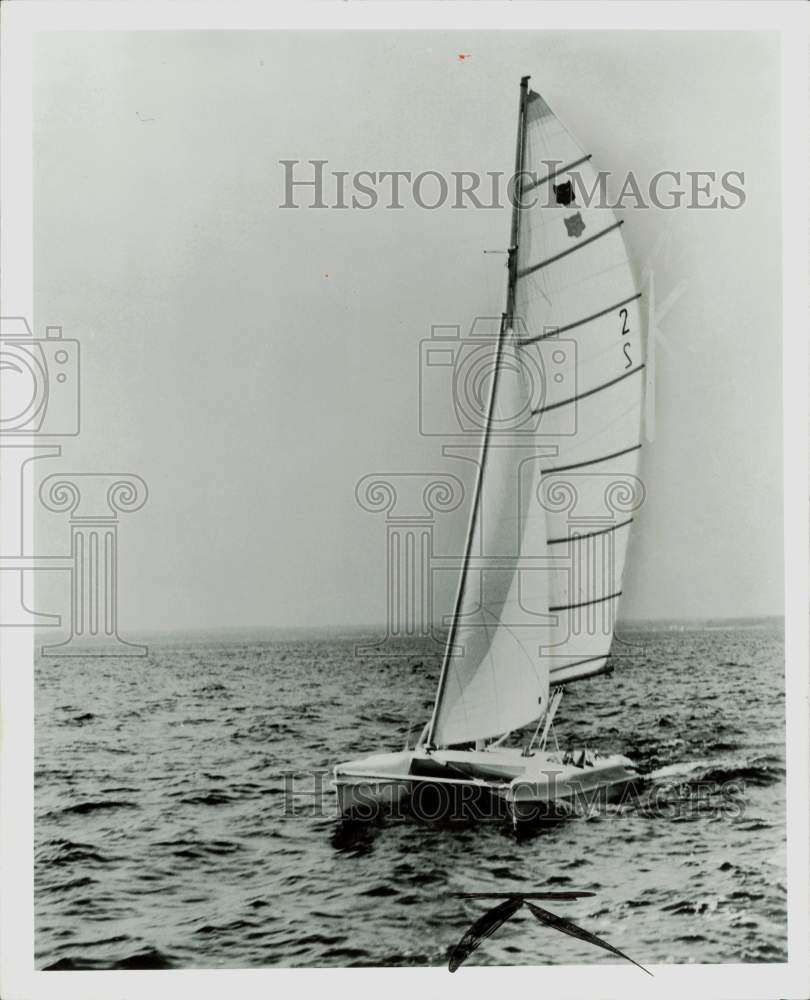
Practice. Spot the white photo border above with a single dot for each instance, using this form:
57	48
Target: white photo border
19	980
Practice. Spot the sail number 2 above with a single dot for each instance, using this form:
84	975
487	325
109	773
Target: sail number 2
625	344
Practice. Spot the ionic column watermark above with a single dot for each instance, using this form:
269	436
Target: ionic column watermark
410	502
93	501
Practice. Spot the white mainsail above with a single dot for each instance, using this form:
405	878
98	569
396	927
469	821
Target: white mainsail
574	277
555	494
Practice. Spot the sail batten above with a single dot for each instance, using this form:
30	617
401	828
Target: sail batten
564	253
528	616
555	332
555	173
584	395
590	534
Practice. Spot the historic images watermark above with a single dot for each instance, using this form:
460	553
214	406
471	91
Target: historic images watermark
41	397
309	792
312	184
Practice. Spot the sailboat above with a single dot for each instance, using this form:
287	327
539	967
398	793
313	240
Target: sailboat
551	515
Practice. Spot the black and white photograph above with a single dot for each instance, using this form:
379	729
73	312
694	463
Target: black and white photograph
404	489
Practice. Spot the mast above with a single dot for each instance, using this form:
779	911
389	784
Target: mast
506	324
517	194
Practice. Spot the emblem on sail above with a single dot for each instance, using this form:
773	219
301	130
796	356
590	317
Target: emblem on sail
574	225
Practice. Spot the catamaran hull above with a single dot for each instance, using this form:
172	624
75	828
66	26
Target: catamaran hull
375	794
488	785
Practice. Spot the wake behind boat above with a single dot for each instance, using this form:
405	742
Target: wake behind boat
551	513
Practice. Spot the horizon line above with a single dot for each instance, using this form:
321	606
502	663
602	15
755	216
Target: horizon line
382	626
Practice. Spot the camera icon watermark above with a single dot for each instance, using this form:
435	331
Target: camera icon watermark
40	400
40	381
456	374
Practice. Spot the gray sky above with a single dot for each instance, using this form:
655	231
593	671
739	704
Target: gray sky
252	391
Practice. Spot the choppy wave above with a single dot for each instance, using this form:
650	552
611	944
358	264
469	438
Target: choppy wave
146	958
754	769
96	805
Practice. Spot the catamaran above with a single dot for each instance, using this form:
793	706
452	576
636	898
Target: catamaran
551	510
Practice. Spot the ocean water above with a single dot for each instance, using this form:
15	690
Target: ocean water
179	821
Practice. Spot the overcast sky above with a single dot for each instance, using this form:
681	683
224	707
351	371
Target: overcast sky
253	363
